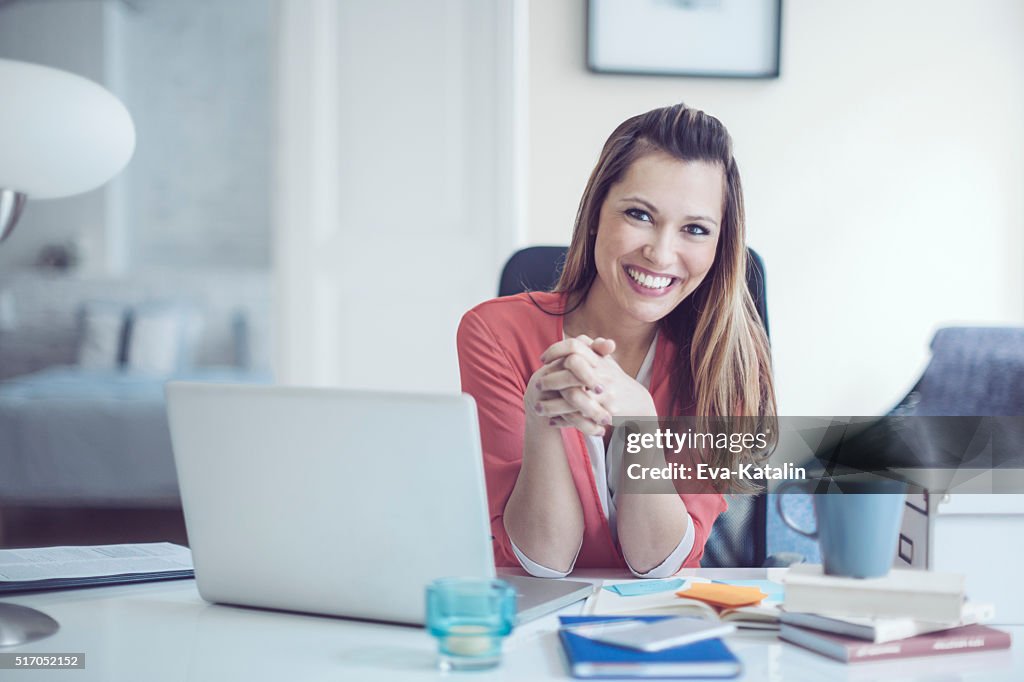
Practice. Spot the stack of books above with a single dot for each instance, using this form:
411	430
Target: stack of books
906	613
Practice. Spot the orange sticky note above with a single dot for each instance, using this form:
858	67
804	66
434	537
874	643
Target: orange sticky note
722	595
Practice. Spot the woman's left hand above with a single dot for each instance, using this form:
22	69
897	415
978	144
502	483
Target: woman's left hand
589	364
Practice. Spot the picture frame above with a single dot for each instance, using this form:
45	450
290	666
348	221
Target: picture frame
697	38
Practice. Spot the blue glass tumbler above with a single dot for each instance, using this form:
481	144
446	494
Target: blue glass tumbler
470	617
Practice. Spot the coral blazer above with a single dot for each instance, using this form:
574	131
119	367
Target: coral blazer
500	343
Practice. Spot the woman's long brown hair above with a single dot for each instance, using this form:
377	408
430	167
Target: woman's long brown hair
724	364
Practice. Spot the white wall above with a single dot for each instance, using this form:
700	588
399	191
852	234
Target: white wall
195	76
883	175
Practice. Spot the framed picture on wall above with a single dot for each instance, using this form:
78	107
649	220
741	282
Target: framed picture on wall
706	38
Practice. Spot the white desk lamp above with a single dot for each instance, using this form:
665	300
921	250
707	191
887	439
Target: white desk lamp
60	134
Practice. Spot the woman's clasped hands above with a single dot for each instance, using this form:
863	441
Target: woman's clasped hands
581	386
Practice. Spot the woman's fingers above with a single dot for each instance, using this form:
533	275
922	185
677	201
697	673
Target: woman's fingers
569	383
603	347
577	421
554	407
583	371
568	347
565	409
560	422
587	405
583	376
572	400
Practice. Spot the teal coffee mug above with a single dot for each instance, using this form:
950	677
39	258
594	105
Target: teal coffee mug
858	525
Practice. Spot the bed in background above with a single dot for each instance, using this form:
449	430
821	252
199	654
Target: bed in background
83	365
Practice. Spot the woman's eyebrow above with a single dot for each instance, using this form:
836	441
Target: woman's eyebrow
650	207
707	219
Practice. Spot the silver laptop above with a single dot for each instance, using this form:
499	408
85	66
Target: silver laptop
346	503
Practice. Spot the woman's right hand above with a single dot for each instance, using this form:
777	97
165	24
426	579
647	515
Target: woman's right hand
567	406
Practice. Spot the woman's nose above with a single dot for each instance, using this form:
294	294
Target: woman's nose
658	251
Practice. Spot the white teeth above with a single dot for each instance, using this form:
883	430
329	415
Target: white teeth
649	281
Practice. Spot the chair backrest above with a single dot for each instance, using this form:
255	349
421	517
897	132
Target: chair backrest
738	537
974	371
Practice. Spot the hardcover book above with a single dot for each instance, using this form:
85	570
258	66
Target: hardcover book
853	650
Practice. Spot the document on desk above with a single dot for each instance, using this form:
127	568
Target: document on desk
44	568
618	599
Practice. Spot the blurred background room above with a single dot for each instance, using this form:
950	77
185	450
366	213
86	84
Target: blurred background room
321	188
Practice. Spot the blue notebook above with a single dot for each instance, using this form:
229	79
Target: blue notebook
595	660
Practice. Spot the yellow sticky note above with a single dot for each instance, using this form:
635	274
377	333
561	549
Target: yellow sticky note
725	596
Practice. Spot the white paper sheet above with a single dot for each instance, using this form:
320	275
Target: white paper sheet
47	563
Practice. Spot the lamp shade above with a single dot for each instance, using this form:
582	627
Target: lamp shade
60	134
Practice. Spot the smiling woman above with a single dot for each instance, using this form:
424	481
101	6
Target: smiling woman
651	317
656	239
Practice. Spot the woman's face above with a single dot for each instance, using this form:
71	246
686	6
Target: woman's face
656	238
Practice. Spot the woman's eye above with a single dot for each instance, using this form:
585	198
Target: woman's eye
696	229
637	214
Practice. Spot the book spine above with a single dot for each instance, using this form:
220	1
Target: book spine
930	647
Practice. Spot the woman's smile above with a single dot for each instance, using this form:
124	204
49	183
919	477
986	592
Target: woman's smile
648	283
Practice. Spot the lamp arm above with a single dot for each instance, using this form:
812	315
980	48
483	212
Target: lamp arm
11	205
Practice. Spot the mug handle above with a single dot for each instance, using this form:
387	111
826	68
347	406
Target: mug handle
782	512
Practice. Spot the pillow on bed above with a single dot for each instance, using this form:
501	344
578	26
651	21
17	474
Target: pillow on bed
101	335
160	337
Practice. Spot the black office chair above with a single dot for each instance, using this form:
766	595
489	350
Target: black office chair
738	537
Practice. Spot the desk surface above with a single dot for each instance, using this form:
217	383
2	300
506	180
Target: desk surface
165	631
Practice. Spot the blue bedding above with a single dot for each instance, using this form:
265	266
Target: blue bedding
76	437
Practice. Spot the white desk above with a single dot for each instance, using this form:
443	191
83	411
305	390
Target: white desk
165	631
